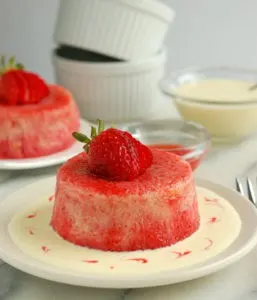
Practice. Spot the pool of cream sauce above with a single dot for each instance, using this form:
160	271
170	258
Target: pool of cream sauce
220	226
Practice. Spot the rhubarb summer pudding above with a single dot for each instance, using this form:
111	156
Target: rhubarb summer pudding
119	195
36	119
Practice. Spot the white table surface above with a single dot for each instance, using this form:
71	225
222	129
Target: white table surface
238	282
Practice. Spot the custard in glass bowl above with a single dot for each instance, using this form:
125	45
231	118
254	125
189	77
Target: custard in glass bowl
222	99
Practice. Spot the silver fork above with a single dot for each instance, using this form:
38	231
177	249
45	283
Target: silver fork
250	192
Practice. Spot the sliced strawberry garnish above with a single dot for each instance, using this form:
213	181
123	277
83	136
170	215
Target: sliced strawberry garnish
114	154
1	91
37	87
144	153
24	94
10	86
19	86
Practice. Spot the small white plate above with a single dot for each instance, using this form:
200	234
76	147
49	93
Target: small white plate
44	161
133	277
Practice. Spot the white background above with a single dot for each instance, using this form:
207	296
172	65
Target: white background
205	32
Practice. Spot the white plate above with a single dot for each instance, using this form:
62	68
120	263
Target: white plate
244	242
44	161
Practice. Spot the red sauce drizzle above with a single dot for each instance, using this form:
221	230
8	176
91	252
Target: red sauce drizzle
32	216
182	254
141	260
92	261
112	267
45	249
213	220
51	198
30	231
213	202
210	244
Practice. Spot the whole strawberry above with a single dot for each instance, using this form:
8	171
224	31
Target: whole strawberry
114	154
18	86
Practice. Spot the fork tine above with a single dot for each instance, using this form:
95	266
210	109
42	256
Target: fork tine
251	192
239	187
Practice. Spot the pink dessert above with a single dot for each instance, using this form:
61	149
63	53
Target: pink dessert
40	129
157	209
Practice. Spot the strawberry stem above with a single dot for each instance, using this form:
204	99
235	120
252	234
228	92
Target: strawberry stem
10	65
82	138
86	147
20	66
100	126
93	132
11	62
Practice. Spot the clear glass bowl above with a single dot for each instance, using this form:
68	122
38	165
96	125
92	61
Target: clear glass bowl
226	119
186	139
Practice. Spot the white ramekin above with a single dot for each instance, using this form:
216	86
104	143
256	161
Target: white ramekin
116	91
126	29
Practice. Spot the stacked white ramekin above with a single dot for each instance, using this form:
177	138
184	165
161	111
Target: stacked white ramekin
111	56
